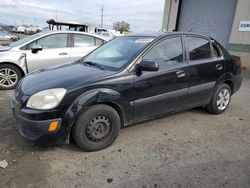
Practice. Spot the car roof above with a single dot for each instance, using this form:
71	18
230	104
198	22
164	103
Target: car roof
73	32
147	34
164	34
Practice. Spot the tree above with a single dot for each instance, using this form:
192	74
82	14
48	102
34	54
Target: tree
121	26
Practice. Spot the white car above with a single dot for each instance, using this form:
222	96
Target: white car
5	36
43	50
106	34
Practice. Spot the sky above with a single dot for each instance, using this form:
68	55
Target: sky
140	14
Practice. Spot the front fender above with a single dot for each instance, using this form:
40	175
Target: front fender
16	59
96	96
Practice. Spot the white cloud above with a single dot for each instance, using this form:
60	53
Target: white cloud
141	14
31	5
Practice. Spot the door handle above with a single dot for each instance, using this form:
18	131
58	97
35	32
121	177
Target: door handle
180	74
219	67
63	53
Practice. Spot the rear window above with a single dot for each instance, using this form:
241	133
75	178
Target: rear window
199	48
83	40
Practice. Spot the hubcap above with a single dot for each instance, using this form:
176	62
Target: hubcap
98	128
223	99
8	77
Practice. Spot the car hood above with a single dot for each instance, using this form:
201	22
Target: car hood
68	76
4	48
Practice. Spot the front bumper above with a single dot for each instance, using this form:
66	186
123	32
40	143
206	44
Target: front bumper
34	129
34	124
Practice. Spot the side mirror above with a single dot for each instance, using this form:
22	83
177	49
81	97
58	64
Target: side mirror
146	65
36	48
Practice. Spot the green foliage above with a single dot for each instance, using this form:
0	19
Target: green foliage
121	26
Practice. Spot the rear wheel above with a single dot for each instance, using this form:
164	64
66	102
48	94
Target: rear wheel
220	100
96	128
9	76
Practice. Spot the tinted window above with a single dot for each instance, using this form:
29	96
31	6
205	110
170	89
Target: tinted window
166	52
198	48
51	41
83	41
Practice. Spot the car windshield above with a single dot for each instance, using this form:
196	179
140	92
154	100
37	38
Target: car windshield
26	39
118	52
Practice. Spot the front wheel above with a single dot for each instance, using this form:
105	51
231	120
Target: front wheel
220	100
96	128
9	76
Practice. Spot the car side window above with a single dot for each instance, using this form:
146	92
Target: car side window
199	48
51	41
99	42
83	40
166	52
216	51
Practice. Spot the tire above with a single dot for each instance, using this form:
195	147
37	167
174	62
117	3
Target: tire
96	128
220	99
9	76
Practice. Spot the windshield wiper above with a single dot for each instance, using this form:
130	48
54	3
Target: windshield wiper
90	63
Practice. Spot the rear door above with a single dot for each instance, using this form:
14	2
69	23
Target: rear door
83	44
55	51
206	66
165	90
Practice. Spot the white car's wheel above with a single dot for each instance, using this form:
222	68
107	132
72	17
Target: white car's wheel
9	76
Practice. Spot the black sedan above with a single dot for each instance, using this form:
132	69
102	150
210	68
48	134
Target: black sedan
127	80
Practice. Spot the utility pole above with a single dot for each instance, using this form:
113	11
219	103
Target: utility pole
102	16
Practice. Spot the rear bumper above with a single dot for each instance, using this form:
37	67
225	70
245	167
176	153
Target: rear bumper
237	82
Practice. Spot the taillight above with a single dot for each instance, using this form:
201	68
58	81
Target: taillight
242	66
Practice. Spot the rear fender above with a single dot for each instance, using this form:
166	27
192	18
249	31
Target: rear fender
225	78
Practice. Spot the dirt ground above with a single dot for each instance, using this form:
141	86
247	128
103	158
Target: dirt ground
187	149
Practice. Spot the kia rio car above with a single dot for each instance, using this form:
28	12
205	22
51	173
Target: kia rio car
43	50
125	81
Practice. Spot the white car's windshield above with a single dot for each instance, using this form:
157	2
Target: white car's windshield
26	39
118	52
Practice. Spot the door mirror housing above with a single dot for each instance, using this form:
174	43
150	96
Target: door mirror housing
36	48
146	65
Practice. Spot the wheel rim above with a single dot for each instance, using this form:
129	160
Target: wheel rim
223	99
8	77
99	128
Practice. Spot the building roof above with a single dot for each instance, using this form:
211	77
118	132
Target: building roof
68	23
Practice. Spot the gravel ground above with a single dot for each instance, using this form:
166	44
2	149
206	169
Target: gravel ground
187	149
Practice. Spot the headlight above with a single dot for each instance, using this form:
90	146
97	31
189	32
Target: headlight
46	99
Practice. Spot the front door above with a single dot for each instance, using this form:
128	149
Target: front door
54	52
165	90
